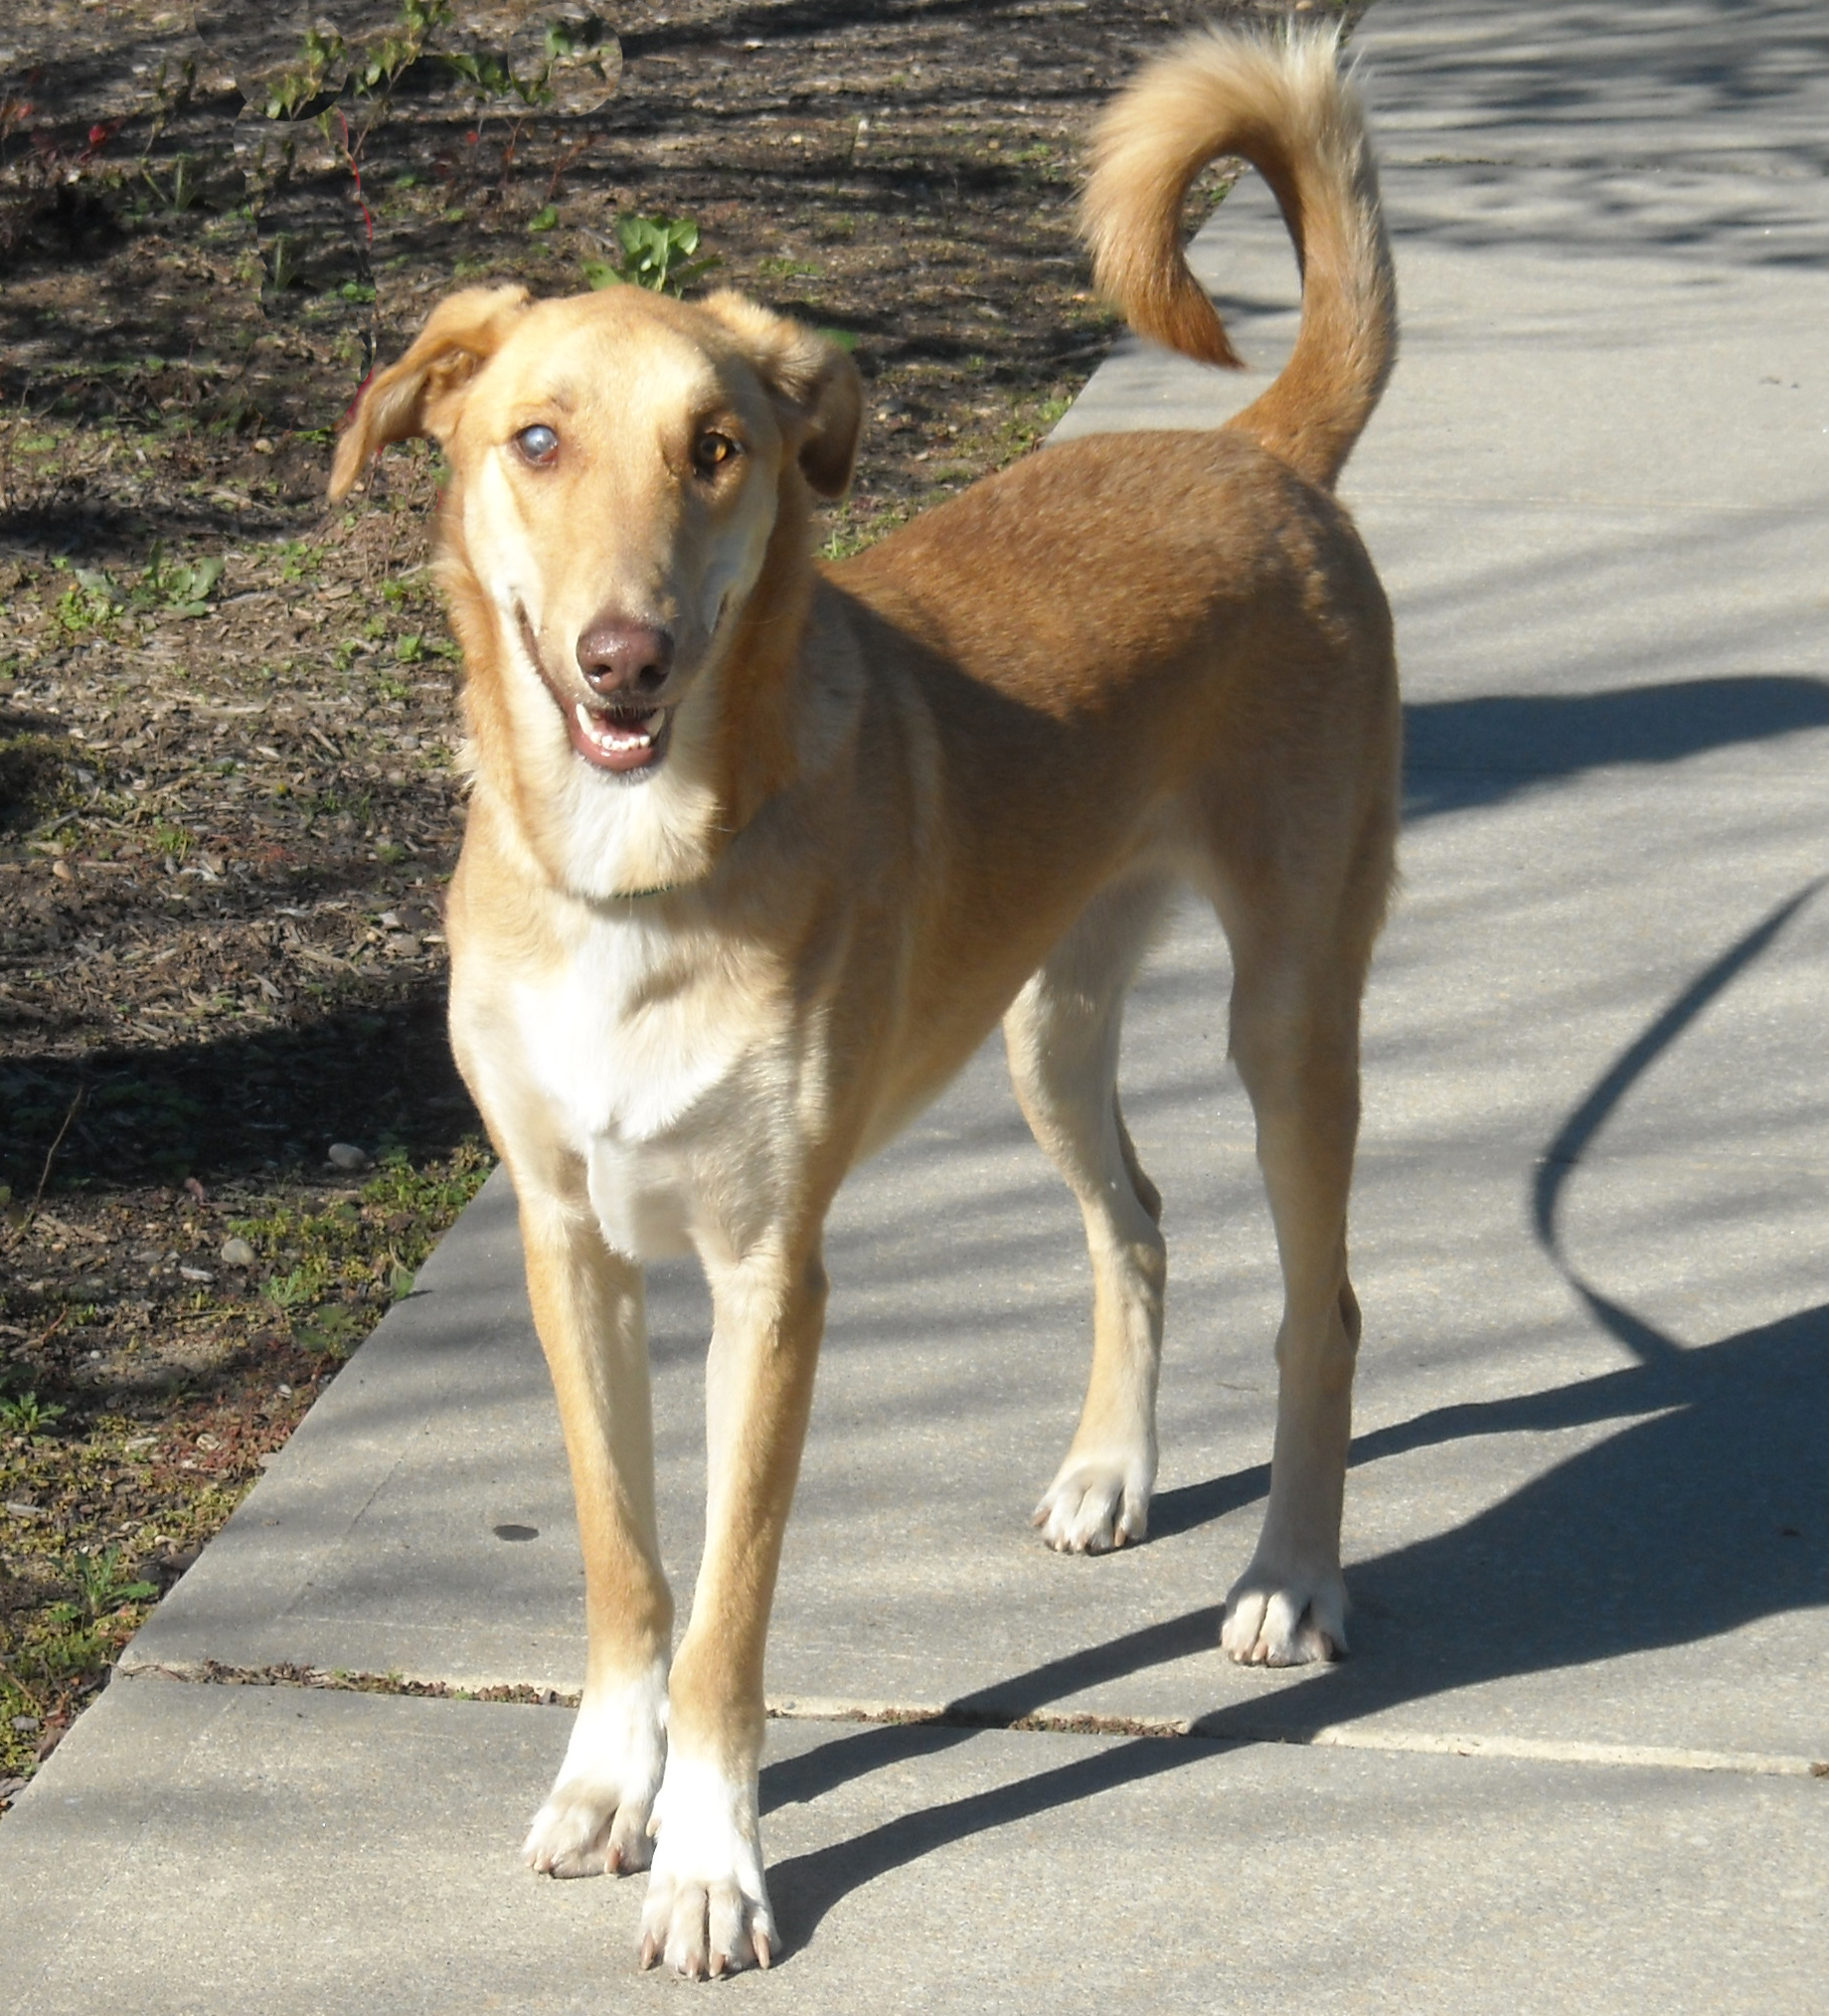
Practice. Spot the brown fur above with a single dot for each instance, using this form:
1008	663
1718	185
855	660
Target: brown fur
950	780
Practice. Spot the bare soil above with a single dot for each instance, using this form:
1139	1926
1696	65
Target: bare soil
227	797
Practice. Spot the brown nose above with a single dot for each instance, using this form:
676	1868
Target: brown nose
620	657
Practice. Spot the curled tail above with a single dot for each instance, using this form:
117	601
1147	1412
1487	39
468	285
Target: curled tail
1280	103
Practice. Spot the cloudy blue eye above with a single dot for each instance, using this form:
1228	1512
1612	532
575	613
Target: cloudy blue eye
537	443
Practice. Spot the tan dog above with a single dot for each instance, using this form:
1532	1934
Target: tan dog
758	851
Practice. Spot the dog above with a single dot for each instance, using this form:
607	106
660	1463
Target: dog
759	850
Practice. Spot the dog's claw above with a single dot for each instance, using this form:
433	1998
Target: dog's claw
650	1951
764	1953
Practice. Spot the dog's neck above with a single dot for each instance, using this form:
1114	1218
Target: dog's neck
758	753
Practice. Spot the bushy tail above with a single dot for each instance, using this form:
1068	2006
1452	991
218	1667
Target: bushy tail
1280	101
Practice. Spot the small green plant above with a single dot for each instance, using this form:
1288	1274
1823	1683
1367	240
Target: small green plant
333	1331
175	842
26	1415
656	253
282	268
104	1586
298	561
182	189
788	270
179	588
90	603
320	67
285	1291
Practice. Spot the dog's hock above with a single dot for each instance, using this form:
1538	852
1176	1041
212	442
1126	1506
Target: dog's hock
423	393
814	384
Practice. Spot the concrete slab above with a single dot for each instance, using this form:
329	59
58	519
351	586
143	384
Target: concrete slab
320	1853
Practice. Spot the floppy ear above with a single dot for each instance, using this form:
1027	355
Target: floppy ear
815	385
422	393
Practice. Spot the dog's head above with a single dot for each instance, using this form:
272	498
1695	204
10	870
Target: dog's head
621	467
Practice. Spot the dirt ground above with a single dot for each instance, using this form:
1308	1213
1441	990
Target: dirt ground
227	801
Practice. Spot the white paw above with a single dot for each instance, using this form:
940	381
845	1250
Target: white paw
1275	1619
1095	1505
706	1910
597	1816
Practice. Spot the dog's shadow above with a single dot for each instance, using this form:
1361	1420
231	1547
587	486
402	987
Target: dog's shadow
1708	1510
1709	1514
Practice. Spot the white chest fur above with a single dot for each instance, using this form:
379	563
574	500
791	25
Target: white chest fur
665	1074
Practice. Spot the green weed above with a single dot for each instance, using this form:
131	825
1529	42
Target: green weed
656	253
89	605
102	1585
181	190
360	1251
26	1415
298	561
179	588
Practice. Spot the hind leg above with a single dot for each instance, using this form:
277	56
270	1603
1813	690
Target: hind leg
1299	974
1062	1033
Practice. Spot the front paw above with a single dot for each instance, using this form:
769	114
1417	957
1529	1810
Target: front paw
588	1828
706	1911
595	1819
1285	1616
1095	1505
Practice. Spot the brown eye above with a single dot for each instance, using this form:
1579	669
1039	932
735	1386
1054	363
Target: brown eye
711	451
538	444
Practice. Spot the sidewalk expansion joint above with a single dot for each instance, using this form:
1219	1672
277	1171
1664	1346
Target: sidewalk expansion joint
1224	1727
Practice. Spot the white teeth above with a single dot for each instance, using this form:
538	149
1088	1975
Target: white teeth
608	736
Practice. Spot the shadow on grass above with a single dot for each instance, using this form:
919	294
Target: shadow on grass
379	1075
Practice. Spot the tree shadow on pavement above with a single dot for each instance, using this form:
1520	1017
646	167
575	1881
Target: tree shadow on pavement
1481	750
1708	1511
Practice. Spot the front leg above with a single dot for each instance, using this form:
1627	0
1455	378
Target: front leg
706	1910
588	1310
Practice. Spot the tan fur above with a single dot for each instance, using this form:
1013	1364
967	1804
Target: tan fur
950	780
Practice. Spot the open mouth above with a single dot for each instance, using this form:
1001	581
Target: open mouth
622	737
619	738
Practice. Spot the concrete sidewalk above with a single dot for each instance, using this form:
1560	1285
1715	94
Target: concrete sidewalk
1587	1527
